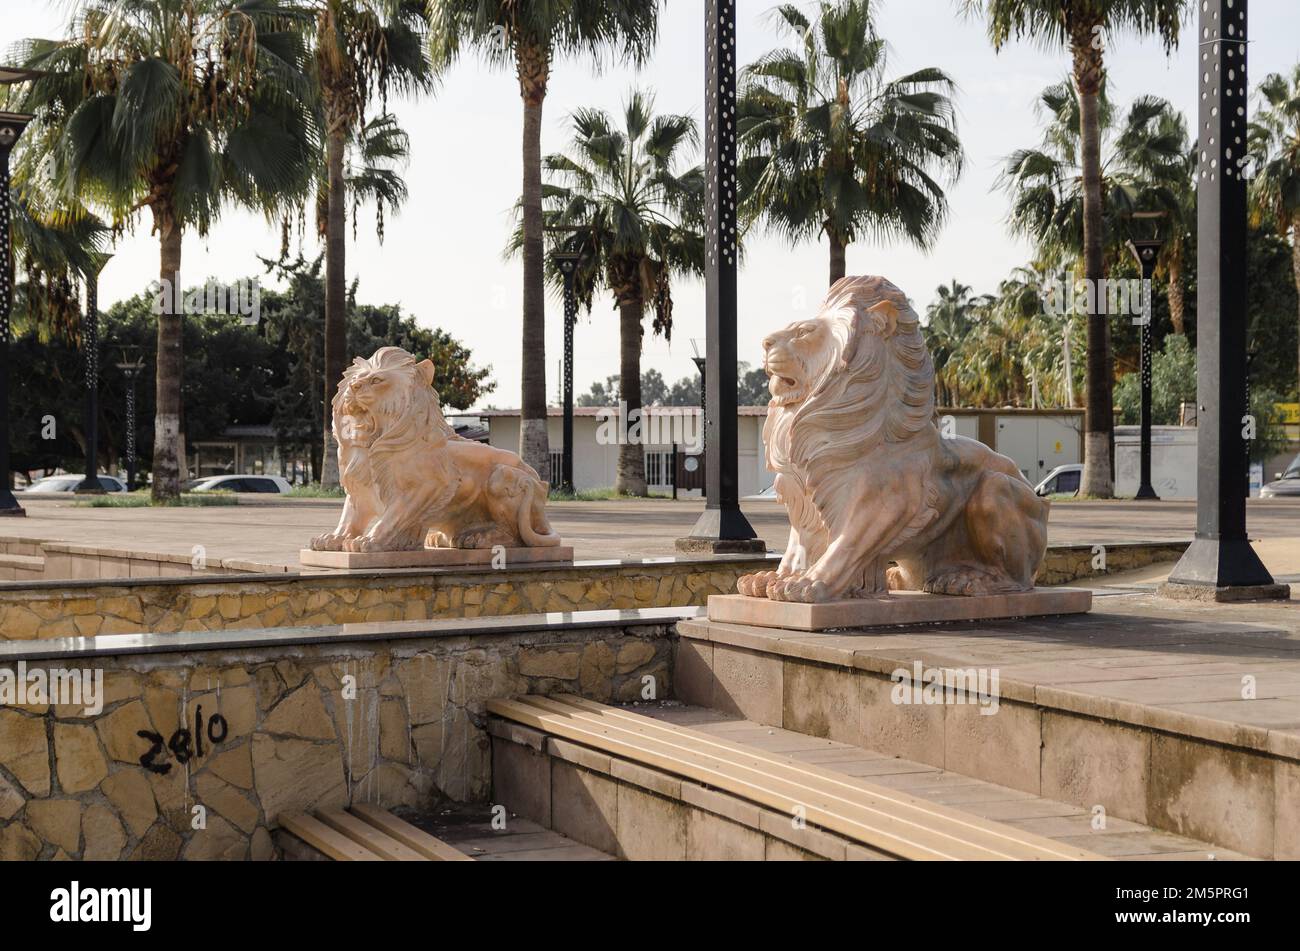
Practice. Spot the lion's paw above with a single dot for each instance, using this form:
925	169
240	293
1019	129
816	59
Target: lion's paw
755	585
362	544
330	541
799	588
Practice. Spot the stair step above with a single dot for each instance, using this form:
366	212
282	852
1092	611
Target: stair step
1053	819
367	833
721	772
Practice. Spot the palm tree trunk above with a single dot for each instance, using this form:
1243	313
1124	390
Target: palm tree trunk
837	255
631	451
1177	301
335	296
170	363
1099	423
533	66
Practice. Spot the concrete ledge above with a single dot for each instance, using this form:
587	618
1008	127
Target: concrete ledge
556	623
434	557
896	608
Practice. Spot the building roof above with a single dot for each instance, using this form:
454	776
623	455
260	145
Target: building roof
605	411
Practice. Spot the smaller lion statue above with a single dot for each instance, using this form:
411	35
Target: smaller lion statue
867	477
411	481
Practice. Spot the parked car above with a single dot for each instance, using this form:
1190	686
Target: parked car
1286	485
242	483
768	494
1063	480
61	484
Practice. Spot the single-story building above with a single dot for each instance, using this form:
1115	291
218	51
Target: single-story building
1038	440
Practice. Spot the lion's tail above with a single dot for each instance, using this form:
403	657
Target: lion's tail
532	514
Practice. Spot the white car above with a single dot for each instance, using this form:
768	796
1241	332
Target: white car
242	483
67	484
768	494
1063	480
1287	484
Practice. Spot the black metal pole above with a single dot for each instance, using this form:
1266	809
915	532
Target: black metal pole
130	431
722	527
1146	253
568	262
90	362
570	318
1220	564
11	127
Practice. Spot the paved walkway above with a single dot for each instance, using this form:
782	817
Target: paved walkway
273	532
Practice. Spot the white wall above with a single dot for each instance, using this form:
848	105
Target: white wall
1173	461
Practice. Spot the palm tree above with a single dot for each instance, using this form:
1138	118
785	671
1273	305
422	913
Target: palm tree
1142	160
829	146
1082	27
362	48
619	198
1011	349
1275	142
528	35
948	321
178	107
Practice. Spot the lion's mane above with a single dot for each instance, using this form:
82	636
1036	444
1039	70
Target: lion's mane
874	394
410	419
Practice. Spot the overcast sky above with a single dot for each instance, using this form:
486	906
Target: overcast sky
442	256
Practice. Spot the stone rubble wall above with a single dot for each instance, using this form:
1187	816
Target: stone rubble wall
313	600
296	736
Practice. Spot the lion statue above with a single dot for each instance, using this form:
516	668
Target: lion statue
865	474
411	482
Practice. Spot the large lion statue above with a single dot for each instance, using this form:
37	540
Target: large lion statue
866	475
411	482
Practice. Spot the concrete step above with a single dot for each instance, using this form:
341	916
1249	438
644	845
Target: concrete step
1189	725
22	567
691	783
365	833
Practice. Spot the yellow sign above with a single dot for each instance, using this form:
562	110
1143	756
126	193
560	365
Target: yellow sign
1058	446
1290	412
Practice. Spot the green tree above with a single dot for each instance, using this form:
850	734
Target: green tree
1274	141
831	146
362	49
529	36
178	107
621	199
1083	27
948	321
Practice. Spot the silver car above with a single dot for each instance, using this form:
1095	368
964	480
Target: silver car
1287	486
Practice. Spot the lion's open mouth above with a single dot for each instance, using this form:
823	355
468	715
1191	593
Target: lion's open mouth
785	389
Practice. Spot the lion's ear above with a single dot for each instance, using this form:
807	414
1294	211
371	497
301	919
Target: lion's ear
883	317
426	371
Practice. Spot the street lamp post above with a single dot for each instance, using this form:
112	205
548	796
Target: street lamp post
131	366
1146	252
12	125
722	527
1219	564
567	262
90	485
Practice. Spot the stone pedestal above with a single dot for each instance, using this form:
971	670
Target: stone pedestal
433	557
899	607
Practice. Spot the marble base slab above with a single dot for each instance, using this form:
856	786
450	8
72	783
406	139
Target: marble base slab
431	557
899	607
